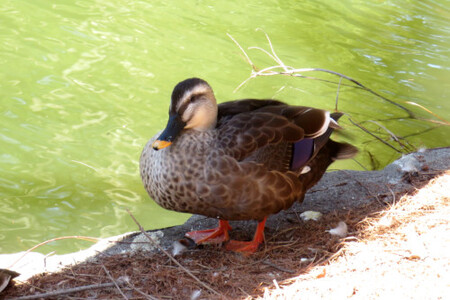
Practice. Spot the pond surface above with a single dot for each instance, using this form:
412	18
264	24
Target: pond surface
84	84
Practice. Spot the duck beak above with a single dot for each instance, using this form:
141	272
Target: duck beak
173	128
158	144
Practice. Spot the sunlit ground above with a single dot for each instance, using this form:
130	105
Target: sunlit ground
403	255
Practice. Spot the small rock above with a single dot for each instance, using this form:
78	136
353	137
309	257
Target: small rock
310	215
141	242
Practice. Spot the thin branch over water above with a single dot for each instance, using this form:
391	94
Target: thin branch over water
280	68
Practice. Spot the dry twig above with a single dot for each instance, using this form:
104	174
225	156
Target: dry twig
296	72
66	291
115	283
147	296
375	136
280	68
172	258
269	263
79	237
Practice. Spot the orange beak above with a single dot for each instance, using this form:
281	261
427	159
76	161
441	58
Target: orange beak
159	144
174	126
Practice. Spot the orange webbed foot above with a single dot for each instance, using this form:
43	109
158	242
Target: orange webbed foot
250	247
245	248
211	236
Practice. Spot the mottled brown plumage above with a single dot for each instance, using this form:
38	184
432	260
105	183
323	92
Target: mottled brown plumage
237	160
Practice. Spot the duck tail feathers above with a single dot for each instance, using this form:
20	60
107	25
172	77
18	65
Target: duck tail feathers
343	150
334	117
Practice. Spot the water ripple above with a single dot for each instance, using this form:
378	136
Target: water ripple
84	84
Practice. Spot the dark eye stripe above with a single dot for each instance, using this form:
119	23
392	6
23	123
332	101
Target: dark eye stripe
184	106
195	97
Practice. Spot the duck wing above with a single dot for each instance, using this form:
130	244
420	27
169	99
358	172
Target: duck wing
258	123
314	121
239	188
231	108
246	190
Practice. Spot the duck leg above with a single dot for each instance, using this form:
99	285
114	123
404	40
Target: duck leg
212	236
251	246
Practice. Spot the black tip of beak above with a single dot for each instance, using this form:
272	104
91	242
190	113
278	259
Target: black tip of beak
174	126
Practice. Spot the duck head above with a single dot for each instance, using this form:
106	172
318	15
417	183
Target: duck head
193	106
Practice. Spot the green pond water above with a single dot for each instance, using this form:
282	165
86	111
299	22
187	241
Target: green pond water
84	84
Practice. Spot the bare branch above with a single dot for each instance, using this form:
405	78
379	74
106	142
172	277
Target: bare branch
264	51
378	138
78	237
171	257
269	263
290	71
277	59
66	291
243	51
147	296
430	112
115	283
337	94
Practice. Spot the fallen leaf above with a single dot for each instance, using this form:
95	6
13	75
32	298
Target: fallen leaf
322	274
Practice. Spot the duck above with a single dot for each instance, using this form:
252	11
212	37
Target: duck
238	160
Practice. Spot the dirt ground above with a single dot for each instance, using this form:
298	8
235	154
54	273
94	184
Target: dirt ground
299	261
400	253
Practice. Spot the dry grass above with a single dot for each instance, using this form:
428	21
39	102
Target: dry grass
398	251
403	253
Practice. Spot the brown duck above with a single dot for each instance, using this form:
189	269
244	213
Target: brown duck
239	160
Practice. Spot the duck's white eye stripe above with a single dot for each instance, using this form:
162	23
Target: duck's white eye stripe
198	89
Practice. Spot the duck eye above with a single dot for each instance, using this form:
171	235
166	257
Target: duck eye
195	97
